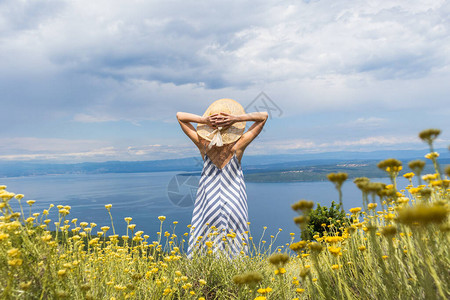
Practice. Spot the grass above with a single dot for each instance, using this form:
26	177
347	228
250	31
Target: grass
395	247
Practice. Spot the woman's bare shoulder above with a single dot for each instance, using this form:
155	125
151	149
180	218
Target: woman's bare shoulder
218	155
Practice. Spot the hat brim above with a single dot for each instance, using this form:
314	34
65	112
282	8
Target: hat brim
233	132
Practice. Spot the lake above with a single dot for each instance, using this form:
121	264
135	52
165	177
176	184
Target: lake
145	196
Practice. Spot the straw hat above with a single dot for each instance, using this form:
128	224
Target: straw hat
221	136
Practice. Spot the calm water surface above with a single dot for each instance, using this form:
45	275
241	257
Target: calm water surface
145	196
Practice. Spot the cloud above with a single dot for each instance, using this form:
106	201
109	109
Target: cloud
54	145
370	143
377	140
186	44
366	122
92	155
64	150
67	65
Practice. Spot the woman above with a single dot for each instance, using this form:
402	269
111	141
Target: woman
220	217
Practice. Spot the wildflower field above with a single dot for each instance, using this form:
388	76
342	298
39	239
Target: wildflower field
394	246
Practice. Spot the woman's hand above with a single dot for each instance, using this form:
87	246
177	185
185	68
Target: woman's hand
225	120
211	121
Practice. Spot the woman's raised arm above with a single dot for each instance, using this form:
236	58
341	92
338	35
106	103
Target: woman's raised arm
185	120
258	117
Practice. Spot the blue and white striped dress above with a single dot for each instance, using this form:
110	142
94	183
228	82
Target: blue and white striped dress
220	212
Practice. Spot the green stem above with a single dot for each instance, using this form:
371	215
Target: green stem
112	223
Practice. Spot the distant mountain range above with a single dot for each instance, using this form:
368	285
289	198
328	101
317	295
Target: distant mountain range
256	167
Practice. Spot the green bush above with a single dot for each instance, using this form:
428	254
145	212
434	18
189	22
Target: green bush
332	217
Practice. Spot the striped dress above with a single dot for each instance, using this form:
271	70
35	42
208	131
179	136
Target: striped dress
219	220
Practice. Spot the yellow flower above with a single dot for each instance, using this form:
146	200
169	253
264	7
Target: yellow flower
429	177
301	219
202	282
355	210
161	218
362	248
408	175
64	212
19	196
300	290
84	224
335	250
261	291
333	239
303	205
432	155
13	252
390	165
6	195
389	231
298	246
437	183
337	178
371	205
315	247
3	236
231	235
423	214
108	206
46	238
335	267
279	259
62	272
280	271
128	219
415	190
105	228
31	202
15	262
264	291
429	135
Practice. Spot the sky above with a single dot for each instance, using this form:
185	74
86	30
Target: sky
102	80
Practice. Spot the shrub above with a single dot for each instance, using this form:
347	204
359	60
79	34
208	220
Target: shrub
323	218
